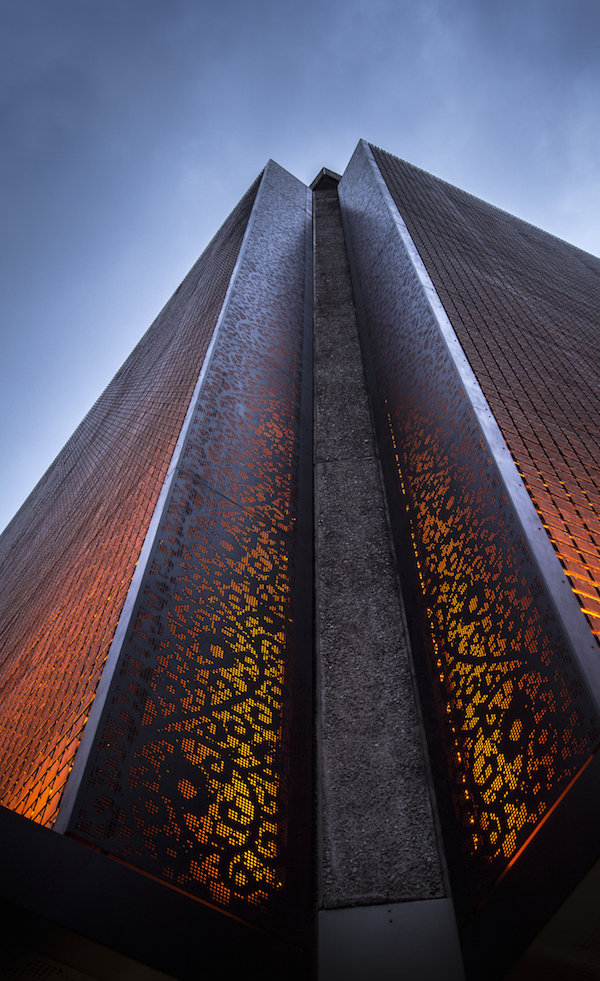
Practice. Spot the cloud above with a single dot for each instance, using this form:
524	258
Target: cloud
130	129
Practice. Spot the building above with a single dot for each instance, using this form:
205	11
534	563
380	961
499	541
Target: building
300	629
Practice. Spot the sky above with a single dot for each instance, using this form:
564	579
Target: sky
130	128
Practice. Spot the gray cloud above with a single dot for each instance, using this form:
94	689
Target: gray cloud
131	127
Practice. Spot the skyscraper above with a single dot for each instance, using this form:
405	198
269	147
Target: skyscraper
300	629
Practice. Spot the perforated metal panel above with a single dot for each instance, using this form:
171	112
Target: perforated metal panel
67	558
30	966
525	307
189	777
511	721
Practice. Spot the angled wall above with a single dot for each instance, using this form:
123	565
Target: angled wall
508	665
68	556
186	770
167	677
524	306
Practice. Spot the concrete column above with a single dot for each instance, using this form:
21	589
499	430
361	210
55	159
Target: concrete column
383	905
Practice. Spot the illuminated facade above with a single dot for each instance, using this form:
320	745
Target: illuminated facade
207	665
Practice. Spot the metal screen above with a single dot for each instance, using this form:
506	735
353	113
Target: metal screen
525	308
67	558
189	776
511	722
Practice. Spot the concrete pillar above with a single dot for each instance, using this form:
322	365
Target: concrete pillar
384	908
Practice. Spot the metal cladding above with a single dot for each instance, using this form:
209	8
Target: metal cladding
512	721
188	773
525	308
156	619
68	556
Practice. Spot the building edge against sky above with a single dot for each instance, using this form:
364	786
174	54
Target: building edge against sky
456	419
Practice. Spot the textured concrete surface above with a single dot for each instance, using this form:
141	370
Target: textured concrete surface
377	838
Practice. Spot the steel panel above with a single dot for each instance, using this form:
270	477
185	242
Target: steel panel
68	556
190	776
512	719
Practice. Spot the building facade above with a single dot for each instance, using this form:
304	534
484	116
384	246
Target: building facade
300	670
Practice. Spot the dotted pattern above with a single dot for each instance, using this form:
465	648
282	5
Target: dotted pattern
525	308
67	558
187	779
30	966
511	722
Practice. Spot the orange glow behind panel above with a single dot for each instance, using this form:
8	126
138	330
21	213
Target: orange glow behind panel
68	556
510	720
188	777
511	710
525	308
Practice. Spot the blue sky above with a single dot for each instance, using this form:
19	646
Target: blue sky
130	128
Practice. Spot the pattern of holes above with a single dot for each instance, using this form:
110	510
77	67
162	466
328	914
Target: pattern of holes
525	308
187	778
67	557
30	966
514	721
